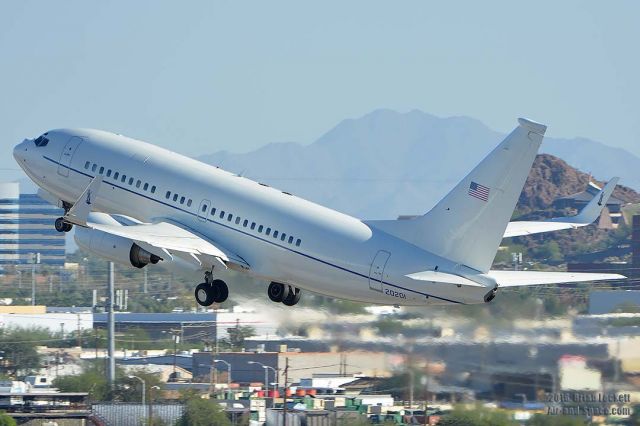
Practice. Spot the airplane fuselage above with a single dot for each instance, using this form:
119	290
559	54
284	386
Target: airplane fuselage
282	237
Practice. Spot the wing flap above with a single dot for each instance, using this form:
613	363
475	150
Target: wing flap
528	278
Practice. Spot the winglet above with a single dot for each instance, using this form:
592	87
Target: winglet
79	213
592	210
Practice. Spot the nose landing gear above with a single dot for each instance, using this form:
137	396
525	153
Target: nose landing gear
62	226
283	293
211	291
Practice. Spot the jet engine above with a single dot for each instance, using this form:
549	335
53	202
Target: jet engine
113	247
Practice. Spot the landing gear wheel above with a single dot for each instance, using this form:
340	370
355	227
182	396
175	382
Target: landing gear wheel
277	292
293	297
62	226
204	294
220	291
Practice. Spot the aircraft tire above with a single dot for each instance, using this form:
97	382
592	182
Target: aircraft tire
220	291
60	225
293	297
204	294
277	292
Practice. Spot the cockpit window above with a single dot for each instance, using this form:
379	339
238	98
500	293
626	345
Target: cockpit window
41	141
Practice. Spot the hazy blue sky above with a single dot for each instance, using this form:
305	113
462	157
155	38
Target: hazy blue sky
203	76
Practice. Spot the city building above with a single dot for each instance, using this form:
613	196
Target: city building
27	228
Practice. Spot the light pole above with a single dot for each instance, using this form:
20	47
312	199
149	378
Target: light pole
153	388
144	392
228	372
266	377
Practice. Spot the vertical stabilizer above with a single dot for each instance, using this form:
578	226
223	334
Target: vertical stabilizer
467	225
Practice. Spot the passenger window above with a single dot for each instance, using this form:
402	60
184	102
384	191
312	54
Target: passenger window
130	181
175	197
86	165
283	236
101	170
167	195
95	166
124	178
260	229
245	223
253	225
153	189
189	202
213	211
182	200
275	234
290	240
298	241
237	220
109	173
229	217
204	207
268	231
116	175
221	214
138	183
146	186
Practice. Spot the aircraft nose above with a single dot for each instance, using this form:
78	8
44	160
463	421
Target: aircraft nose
20	151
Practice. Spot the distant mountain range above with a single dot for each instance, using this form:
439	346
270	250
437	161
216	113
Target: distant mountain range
387	163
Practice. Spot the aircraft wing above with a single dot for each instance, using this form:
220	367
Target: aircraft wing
173	239
586	216
528	278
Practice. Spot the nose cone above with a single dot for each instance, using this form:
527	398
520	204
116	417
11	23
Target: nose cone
20	152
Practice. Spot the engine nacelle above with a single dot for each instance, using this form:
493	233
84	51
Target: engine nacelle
113	247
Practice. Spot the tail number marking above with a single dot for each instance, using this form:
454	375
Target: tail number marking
394	293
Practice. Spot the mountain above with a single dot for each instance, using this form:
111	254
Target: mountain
388	163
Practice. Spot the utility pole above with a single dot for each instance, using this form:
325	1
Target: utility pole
34	261
286	379
145	288
111	329
79	333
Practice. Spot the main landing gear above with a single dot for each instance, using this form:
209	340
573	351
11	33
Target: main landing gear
284	293
62	225
211	291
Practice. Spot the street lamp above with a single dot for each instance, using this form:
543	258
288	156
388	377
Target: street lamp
266	374
228	371
153	388
144	389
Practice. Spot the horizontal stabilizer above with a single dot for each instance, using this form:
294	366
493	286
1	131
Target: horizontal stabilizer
586	216
527	278
443	277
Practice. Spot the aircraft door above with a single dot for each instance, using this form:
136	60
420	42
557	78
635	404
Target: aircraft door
203	210
376	272
67	155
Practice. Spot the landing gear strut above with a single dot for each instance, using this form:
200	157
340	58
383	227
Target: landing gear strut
283	293
63	226
211	291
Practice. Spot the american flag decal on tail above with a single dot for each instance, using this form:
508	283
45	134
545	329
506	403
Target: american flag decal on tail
478	191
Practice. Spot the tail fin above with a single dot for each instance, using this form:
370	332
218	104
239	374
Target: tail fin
467	225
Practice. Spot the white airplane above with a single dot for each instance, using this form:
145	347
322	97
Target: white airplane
174	209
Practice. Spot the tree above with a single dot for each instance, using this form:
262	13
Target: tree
477	416
237	335
18	348
546	420
203	412
7	420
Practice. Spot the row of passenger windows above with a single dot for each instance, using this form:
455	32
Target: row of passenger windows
182	200
177	197
116	175
252	225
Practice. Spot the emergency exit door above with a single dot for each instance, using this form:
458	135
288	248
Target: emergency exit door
376	272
